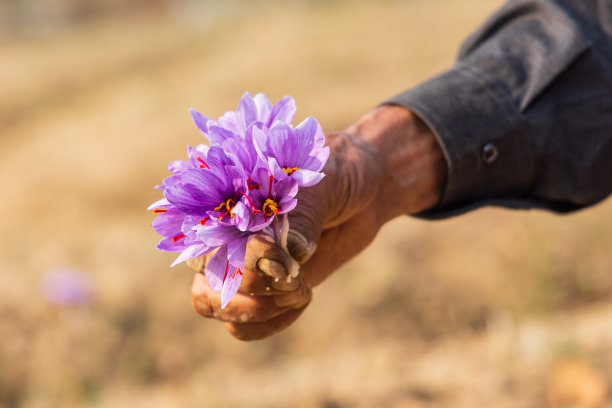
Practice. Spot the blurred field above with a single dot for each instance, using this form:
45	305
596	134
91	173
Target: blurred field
494	308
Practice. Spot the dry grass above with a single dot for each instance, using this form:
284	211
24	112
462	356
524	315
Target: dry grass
467	312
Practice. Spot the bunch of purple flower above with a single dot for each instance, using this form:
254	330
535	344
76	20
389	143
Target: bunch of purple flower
238	186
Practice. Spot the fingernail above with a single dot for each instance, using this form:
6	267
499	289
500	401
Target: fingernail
272	268
299	247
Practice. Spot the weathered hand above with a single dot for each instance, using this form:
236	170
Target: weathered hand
385	165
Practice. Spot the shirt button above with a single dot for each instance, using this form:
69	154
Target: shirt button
489	153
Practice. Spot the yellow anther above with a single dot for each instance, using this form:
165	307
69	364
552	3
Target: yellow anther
229	204
270	207
290	170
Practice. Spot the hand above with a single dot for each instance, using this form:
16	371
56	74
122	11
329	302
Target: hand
387	164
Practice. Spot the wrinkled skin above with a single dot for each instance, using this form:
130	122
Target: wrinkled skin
385	165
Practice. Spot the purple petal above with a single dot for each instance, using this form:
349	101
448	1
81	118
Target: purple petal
264	107
307	178
285	188
260	143
283	111
230	286
170	245
236	250
217	134
276	169
159	203
216	269
246	112
201	121
243	213
179	166
218	234
287	204
311	129
198	192
169	223
192	251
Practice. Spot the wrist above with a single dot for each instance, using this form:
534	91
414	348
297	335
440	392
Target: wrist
411	164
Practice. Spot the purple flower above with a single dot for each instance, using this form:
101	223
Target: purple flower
270	198
67	287
214	191
298	153
256	111
238	186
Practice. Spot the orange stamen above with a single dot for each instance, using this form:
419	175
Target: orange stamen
270	207
290	170
229	206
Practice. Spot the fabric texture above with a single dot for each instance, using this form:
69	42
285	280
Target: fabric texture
525	115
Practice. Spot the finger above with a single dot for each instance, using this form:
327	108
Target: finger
296	299
258	284
264	256
242	308
257	331
305	223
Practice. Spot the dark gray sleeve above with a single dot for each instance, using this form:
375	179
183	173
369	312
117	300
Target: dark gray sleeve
525	115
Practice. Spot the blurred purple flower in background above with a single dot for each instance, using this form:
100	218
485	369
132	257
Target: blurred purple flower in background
241	184
68	287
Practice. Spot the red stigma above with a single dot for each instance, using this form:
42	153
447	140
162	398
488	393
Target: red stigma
204	220
226	267
255	211
251	185
177	237
160	210
237	271
203	165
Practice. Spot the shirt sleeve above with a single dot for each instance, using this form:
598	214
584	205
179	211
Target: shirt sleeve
525	115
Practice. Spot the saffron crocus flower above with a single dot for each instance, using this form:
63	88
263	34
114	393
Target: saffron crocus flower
240	185
257	111
298	153
209	192
270	198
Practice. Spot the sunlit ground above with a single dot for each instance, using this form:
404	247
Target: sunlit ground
491	309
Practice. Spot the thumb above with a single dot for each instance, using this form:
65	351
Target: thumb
306	223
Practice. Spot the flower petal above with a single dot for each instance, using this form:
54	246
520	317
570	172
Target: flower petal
307	178
201	121
264	107
192	251
246	112
230	286
283	111
169	223
216	269
159	203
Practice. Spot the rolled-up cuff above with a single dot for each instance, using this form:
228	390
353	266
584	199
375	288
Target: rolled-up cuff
480	130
